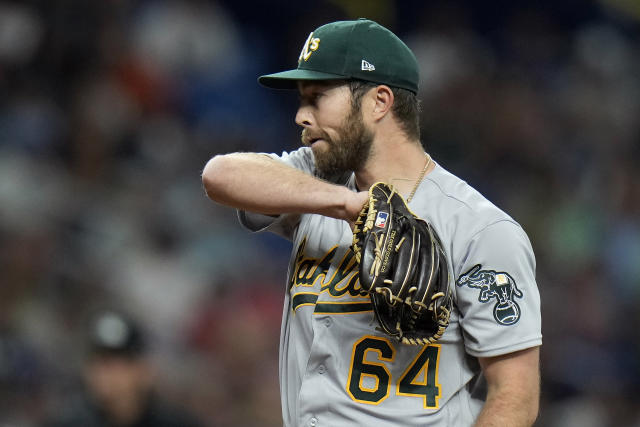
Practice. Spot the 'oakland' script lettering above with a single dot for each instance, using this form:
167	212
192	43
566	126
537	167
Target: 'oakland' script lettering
306	271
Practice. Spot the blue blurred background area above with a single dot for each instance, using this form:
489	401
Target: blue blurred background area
110	109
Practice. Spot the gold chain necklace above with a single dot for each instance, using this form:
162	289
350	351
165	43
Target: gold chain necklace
419	180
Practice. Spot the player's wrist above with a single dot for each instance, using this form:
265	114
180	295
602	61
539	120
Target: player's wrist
340	202
353	204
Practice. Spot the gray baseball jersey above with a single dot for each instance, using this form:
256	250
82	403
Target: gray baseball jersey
336	369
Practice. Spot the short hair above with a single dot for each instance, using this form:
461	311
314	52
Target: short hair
406	105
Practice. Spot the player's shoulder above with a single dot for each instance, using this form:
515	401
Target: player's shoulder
465	220
460	210
462	197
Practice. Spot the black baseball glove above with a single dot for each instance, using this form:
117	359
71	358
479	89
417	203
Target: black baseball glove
403	268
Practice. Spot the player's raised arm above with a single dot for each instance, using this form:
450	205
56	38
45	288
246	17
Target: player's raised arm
258	183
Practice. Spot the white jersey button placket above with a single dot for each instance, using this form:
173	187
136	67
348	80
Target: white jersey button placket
313	422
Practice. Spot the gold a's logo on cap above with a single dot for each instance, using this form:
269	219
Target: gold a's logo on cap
310	46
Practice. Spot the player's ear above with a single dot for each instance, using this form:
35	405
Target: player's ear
383	100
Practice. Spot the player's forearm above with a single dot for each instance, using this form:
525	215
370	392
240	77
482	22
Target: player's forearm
513	389
257	183
508	409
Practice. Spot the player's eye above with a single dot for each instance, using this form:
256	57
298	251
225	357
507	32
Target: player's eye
310	99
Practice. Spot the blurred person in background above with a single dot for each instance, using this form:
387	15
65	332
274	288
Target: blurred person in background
119	379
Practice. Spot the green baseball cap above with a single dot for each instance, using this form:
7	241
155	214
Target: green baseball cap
359	49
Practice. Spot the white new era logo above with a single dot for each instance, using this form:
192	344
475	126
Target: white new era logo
367	66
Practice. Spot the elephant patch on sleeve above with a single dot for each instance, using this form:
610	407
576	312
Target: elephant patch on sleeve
495	284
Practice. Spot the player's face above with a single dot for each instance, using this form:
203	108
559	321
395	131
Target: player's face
333	127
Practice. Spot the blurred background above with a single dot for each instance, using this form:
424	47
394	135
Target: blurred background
110	109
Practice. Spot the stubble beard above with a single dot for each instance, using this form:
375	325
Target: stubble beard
348	152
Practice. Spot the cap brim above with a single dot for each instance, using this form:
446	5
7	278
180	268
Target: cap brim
288	79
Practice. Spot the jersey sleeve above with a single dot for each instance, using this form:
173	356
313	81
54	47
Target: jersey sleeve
285	224
497	294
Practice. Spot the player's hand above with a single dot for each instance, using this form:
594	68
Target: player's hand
354	205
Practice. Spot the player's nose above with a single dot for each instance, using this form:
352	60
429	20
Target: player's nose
304	117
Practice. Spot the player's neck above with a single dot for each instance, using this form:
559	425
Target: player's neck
399	162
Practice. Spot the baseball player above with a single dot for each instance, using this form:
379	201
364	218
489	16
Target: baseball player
359	116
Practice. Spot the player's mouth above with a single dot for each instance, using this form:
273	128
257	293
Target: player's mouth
319	145
311	140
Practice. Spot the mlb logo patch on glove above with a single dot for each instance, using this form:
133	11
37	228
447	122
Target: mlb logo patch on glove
381	219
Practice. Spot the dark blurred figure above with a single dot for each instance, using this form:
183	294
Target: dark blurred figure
119	382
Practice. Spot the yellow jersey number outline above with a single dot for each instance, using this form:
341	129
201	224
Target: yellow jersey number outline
376	370
426	363
420	379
